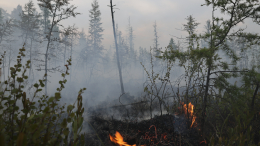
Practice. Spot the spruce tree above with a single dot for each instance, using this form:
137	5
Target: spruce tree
95	30
84	49
190	27
15	14
95	38
6	30
172	44
82	40
131	41
29	25
155	41
46	16
1	16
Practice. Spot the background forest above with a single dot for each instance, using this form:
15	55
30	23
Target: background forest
217	70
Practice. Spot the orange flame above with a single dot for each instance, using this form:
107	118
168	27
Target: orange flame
190	112
118	139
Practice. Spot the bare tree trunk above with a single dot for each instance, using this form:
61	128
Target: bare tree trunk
9	61
205	101
71	56
4	69
46	56
254	96
117	55
64	55
30	60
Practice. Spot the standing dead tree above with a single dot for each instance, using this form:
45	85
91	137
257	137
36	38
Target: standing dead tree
117	54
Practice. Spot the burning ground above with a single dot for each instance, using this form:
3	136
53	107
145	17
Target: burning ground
163	130
160	130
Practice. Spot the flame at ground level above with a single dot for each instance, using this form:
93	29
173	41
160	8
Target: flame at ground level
118	139
188	110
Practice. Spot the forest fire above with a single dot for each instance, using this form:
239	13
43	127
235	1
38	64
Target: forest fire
151	136
190	113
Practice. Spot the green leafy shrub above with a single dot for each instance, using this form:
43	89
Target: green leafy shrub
39	122
233	121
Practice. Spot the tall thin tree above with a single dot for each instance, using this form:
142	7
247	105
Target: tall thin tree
95	37
117	54
60	10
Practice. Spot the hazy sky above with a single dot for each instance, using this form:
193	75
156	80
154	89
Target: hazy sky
168	14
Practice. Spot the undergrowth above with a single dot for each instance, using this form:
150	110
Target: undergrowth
39	122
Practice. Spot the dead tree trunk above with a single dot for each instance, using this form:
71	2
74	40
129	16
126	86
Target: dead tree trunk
117	55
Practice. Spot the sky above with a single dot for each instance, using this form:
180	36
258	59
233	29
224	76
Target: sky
169	15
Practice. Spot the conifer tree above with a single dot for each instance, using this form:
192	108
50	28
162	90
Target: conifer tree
82	40
29	20
4	14
1	16
131	41
46	17
95	30
95	37
15	14
29	25
190	27
172	44
155	41
56	45
6	29
84	49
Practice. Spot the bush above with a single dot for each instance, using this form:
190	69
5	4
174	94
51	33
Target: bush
41	123
233	121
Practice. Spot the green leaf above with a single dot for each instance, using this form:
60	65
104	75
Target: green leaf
38	90
36	85
69	108
51	99
72	115
57	95
14	91
46	109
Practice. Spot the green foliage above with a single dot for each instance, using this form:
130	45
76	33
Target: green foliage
209	73
37	123
235	122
